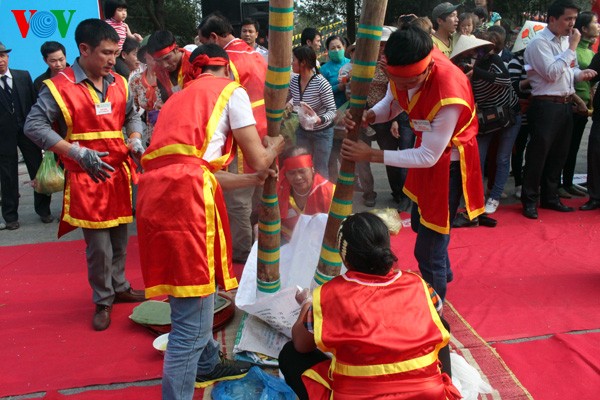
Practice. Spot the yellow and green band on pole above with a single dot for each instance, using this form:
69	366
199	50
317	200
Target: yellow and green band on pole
281	19
364	64
268	287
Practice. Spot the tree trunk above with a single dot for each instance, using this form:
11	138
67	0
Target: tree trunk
351	20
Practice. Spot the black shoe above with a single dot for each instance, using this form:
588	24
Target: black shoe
11	226
530	212
484	220
462	221
574	191
557	206
47	219
226	370
590	205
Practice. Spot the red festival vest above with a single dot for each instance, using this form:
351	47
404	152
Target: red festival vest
386	341
429	187
88	204
184	235
250	70
183	74
318	201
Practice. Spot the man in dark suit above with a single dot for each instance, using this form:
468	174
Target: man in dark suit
17	95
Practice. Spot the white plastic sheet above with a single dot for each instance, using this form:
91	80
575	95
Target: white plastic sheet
467	379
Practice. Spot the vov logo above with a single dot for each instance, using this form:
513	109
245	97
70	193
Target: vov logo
43	24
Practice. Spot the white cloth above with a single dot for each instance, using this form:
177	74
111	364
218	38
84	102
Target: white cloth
433	143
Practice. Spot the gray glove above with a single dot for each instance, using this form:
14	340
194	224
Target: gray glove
135	146
137	150
89	160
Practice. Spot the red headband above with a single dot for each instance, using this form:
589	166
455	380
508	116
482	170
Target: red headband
202	61
165	51
301	161
411	70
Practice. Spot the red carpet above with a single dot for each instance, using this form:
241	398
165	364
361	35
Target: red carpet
565	366
46	311
525	277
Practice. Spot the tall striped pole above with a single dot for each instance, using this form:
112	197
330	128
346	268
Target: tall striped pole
363	69
281	27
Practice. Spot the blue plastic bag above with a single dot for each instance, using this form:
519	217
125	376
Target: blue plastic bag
256	385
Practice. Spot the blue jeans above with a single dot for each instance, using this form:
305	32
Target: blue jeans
191	349
319	144
431	247
505	146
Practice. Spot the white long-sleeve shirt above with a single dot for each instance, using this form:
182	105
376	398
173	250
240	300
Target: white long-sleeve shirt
433	142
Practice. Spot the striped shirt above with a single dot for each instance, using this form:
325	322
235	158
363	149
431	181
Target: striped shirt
491	84
517	72
121	28
318	95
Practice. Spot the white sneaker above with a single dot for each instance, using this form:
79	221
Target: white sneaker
491	206
518	192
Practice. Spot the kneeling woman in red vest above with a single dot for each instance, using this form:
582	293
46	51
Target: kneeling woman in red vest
380	325
301	190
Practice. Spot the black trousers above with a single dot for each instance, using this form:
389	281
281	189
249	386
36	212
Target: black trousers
292	364
516	161
579	123
386	141
593	162
547	151
9	180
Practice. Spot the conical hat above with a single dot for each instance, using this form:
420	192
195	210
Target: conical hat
527	32
466	43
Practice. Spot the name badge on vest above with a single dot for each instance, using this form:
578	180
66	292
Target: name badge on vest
421	125
103	108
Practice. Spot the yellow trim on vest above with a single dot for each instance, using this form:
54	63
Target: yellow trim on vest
318	318
258	103
312	374
94	94
445	230
171	149
236	75
213	121
182	291
82	223
446	102
97	135
189	150
435	317
209	188
386	369
61	104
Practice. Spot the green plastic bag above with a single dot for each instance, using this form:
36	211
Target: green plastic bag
289	125
50	178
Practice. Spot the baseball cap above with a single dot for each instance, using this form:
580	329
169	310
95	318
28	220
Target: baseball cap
443	9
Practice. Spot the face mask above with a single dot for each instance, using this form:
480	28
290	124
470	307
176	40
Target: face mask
336	55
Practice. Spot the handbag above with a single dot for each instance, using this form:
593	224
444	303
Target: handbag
494	119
